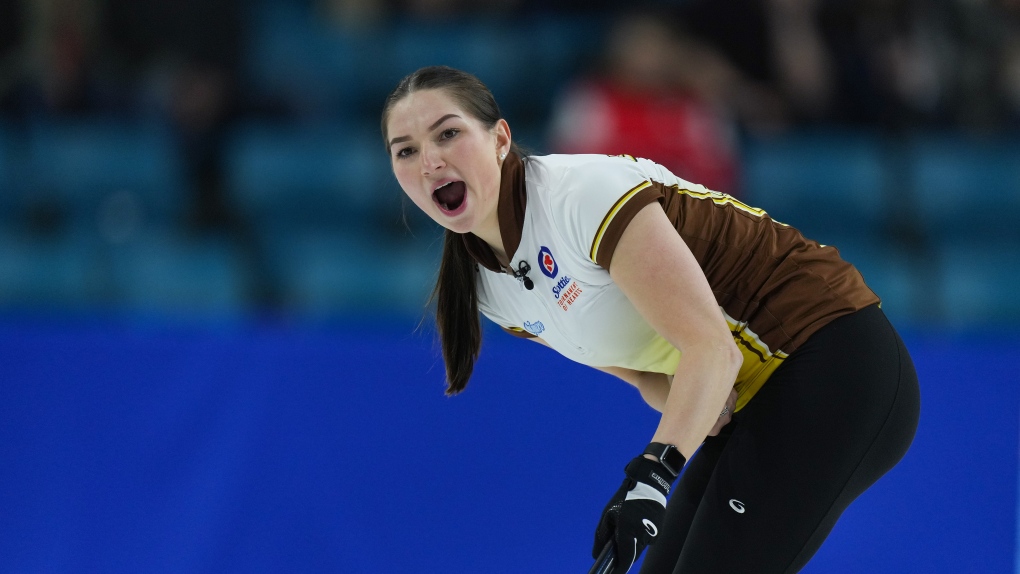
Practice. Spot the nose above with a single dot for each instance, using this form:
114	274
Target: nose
431	160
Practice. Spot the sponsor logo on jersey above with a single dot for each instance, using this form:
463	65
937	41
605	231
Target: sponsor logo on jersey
561	285
535	328
566	291
737	506
547	263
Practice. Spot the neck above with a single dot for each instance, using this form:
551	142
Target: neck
488	232
488	243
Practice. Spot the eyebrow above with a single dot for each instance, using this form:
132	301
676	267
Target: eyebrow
432	127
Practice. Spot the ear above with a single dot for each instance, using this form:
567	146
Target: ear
502	132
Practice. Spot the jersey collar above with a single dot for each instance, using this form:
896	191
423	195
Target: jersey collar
513	198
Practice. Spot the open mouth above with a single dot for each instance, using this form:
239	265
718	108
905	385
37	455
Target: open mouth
450	196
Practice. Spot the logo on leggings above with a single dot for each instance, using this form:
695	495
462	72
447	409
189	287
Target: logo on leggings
737	506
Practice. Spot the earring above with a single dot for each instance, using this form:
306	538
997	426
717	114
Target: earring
502	155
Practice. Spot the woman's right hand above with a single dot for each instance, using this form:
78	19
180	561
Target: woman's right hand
635	514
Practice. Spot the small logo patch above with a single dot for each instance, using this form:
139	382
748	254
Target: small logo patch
650	527
661	482
535	328
547	263
737	506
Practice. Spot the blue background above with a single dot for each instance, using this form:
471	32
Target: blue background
130	445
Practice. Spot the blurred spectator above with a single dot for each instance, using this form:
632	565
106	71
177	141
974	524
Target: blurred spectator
658	98
897	64
184	56
896	58
906	64
1011	80
776	46
51	59
1009	64
803	65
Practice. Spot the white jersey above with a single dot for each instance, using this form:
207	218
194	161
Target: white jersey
561	217
575	306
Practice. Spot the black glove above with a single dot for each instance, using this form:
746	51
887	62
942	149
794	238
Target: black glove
635	513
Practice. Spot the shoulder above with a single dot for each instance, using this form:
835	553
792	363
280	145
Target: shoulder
585	196
572	171
586	182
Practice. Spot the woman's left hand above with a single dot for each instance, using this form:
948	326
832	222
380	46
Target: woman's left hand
731	403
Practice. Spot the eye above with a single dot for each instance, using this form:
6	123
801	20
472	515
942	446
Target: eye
449	133
404	152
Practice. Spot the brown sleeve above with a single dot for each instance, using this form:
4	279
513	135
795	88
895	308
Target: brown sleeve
614	229
518	332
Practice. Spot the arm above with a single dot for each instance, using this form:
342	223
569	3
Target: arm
658	273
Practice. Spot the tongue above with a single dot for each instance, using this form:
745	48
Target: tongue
451	196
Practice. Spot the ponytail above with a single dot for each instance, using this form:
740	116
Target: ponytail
460	331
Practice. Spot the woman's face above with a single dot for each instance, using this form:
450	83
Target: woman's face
446	161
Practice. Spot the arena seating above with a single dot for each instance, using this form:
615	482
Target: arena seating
93	210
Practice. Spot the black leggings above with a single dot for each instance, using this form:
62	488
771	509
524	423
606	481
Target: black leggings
762	495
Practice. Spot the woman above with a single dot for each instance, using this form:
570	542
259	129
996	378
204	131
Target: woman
731	324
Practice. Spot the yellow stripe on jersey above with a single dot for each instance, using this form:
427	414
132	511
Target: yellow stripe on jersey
626	155
612	213
758	365
759	361
721	199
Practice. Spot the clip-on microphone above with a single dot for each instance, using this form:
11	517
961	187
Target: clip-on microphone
522	275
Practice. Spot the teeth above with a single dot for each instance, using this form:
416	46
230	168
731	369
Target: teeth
444	185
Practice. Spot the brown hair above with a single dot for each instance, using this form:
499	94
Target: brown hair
455	292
